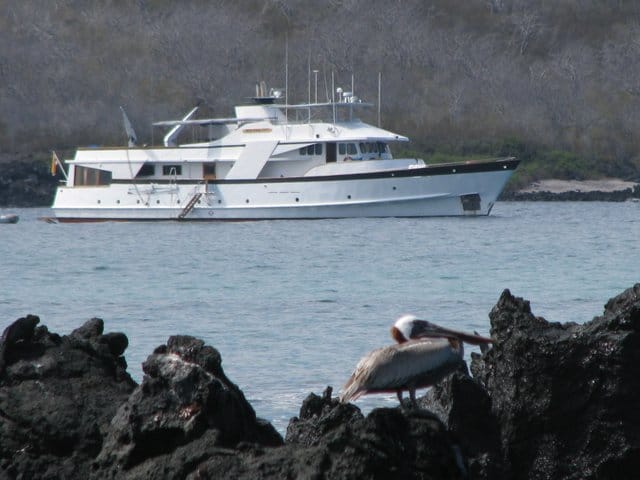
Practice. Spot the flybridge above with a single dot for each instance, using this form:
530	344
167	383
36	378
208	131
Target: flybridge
266	108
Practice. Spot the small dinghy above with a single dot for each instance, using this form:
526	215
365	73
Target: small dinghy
9	218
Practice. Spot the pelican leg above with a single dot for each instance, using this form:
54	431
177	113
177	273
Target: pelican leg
399	394
412	396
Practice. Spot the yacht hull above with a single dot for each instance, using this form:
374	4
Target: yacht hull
469	189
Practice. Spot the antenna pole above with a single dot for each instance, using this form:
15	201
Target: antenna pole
315	73
286	78
309	86
353	92
333	98
379	95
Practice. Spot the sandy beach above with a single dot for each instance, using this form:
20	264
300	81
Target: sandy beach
560	186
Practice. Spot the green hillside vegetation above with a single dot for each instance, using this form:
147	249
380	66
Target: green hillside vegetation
555	83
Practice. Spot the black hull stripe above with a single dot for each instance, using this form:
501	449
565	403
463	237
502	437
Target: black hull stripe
427	171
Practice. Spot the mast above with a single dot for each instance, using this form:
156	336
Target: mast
379	95
333	98
309	87
286	79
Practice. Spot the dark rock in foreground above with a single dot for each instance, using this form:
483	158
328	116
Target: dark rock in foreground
549	400
58	395
184	412
565	395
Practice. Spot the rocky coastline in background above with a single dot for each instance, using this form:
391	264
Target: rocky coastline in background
548	400
26	182
604	190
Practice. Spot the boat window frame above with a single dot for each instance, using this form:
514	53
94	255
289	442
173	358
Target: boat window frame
167	170
91	177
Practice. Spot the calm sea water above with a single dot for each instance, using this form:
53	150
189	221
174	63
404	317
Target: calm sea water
293	305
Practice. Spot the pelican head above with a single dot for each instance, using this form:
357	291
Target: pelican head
408	327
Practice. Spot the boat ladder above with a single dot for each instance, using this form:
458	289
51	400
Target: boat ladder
189	206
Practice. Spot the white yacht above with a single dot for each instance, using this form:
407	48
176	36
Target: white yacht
273	161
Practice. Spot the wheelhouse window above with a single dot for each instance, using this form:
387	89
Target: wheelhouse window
382	148
91	176
172	170
347	149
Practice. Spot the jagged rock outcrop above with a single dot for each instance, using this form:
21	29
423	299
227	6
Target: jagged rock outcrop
548	400
184	412
334	440
565	395
57	397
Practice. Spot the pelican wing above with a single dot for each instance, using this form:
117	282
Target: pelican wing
396	367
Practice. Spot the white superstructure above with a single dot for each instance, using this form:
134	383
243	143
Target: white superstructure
273	161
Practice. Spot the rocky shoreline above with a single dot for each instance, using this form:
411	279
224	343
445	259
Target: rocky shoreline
26	181
548	400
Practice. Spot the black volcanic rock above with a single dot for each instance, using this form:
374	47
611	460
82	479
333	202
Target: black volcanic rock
184	412
57	397
388	443
464	406
548	400
566	395
335	441
573	196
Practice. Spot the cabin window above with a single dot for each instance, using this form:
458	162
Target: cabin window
147	170
315	149
363	148
91	176
342	148
172	170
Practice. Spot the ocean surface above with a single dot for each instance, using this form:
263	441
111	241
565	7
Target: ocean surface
293	305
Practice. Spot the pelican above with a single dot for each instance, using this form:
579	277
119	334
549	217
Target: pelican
424	354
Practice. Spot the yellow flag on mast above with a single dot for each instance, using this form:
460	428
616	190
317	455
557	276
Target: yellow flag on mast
55	161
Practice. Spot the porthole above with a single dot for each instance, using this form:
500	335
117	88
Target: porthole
394	188
158	202
118	202
98	201
247	200
138	202
178	202
219	201
348	196
297	199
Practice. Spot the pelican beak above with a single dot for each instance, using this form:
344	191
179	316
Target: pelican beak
424	329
